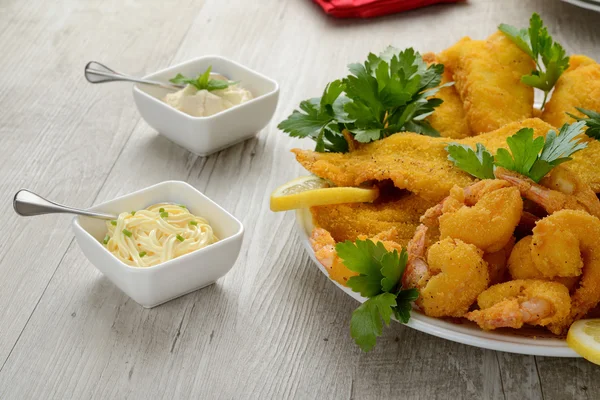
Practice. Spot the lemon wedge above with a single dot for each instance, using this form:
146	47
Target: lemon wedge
584	338
308	191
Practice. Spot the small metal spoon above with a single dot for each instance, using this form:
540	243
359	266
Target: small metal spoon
100	73
26	203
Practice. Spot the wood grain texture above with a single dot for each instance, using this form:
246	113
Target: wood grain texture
61	136
274	327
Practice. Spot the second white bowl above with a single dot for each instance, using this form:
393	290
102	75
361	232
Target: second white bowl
151	286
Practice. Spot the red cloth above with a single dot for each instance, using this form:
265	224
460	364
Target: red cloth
372	8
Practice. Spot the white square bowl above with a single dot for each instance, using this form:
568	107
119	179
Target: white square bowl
151	286
206	135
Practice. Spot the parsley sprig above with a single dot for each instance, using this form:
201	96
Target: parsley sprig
531	157
592	121
386	94
479	163
319	118
380	272
202	81
549	56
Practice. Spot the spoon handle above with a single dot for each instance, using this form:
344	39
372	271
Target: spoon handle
26	203
100	73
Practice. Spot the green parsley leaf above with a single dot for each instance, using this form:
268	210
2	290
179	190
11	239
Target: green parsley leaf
386	94
127	233
380	276
530	157
179	79
549	56
558	149
363	256
366	324
164	214
404	302
524	149
520	37
203	81
366	136
392	268
180	238
555	149
592	122
362	88
193	223
113	222
132	213
479	163
142	253
390	93
218	84
317	119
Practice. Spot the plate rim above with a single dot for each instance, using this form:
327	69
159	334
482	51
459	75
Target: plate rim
547	347
587	4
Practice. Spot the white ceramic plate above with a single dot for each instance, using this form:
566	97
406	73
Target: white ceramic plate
467	332
593	5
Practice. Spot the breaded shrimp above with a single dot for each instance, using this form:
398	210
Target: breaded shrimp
498	262
469	196
525	301
559	190
324	247
564	180
521	265
559	238
578	86
484	214
487	76
449	277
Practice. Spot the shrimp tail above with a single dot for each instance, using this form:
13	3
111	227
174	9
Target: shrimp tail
416	268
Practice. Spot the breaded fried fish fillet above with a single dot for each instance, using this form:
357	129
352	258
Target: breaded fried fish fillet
578	86
349	221
487	76
449	118
585	165
420	163
413	162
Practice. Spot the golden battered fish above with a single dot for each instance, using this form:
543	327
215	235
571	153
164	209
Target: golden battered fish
487	76
413	162
449	118
578	86
585	165
349	221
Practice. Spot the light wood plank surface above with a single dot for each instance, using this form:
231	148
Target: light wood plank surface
274	327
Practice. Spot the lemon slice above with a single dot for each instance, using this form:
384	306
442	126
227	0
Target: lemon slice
308	191
584	338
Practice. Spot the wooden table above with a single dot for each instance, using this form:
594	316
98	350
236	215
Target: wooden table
274	327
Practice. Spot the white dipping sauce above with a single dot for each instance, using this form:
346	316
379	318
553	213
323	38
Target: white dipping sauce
202	103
